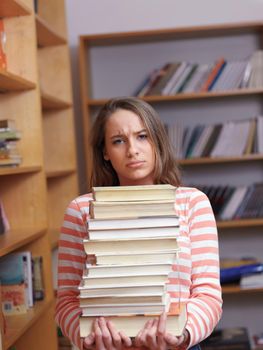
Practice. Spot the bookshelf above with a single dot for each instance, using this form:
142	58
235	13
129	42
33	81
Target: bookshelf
115	64
36	193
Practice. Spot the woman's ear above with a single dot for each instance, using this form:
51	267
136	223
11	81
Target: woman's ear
105	156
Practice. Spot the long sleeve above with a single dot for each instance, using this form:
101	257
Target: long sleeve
199	280
71	262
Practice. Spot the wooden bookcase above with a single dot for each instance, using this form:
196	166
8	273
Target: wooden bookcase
115	64
36	193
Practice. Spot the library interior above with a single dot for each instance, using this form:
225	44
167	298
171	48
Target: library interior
84	237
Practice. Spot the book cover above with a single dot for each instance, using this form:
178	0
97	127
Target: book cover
132	324
233	274
134	193
213	74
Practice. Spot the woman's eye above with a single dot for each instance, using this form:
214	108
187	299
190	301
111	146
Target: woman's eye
117	141
143	136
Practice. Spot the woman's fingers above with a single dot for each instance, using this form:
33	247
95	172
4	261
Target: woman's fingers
89	341
127	342
116	338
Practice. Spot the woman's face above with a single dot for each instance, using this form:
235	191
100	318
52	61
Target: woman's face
129	149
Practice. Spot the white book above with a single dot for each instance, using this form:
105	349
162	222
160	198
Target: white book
27	259
167	89
110	281
134	258
181	79
126	270
130	223
148	232
202	141
233	203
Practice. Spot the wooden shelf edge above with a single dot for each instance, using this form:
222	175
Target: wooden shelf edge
235	289
59	173
46	36
240	223
19	170
207	160
16	238
54	234
184	96
13	8
18	325
50	102
11	82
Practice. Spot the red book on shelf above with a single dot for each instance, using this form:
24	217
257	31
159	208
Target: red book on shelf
213	74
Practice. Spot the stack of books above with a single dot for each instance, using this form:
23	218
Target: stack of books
9	135
132	235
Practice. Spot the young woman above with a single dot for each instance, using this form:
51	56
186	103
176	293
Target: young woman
130	147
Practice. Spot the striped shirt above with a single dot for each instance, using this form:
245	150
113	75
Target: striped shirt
197	282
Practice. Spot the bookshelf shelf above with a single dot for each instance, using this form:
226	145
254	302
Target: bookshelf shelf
19	170
240	223
46	35
60	173
50	102
15	239
197	161
13	8
185	96
235	289
18	325
11	82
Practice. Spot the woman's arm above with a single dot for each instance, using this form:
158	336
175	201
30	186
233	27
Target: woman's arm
71	262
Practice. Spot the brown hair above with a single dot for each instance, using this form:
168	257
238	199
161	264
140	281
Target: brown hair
166	169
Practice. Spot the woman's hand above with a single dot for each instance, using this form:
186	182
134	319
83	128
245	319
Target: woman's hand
153	336
106	337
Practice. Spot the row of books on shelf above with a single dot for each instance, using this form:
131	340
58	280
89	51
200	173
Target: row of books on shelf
4	223
9	136
235	202
247	272
234	138
21	282
130	258
191	77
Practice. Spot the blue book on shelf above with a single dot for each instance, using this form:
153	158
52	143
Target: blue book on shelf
12	269
233	274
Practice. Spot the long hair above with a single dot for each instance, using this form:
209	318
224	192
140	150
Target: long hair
166	168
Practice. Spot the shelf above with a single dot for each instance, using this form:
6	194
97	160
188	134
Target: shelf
46	36
19	170
240	223
235	289
171	34
197	161
50	102
11	82
59	173
185	96
17	325
54	237
15	239
13	8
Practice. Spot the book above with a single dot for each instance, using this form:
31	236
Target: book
135	258
134	222
134	193
4	223
132	324
213	74
126	270
38	278
3	61
251	281
120	280
100	210
235	338
233	274
130	245
121	290
146	232
28	273
13	285
122	299
121	309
